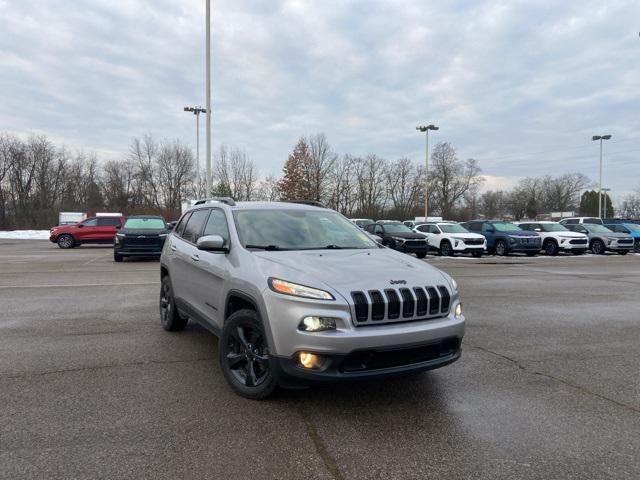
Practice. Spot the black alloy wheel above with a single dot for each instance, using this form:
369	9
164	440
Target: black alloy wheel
501	248
597	247
170	317
551	248
244	356
65	241
445	249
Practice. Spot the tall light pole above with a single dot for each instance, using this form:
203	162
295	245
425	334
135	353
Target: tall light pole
197	111
208	95
601	138
605	192
425	129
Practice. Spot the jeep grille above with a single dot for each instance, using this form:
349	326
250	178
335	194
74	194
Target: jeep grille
400	305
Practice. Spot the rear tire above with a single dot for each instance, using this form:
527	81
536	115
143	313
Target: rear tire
501	248
170	317
244	356
66	241
597	247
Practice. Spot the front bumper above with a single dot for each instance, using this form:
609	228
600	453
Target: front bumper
411	248
369	363
139	253
468	248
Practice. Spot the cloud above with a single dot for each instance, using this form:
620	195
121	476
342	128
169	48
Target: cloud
521	86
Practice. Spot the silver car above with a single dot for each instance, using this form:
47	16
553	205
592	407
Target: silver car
601	239
298	294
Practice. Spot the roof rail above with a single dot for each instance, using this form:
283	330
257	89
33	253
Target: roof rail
312	203
227	200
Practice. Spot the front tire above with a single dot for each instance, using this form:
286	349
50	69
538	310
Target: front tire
551	248
597	247
501	248
170	317
623	252
117	257
445	249
421	255
66	241
244	356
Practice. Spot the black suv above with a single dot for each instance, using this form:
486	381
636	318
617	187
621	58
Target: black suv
140	236
398	236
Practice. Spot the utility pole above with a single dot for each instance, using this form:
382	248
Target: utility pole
601	138
208	95
422	128
197	111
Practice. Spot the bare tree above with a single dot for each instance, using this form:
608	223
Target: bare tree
370	177
317	167
403	190
450	178
175	173
235	174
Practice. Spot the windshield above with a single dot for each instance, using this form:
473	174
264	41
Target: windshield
506	227
452	228
553	227
363	223
595	228
145	224
298	230
396	228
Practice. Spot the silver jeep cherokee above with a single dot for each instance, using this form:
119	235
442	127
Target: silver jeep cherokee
298	294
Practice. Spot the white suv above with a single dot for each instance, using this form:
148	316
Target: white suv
450	238
556	237
578	220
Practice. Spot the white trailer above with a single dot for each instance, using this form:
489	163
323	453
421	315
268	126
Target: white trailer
71	218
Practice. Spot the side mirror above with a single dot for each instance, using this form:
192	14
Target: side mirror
212	243
80	225
171	225
118	227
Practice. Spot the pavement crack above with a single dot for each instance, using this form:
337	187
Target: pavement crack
101	367
321	448
557	379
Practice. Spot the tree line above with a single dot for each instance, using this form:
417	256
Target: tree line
39	179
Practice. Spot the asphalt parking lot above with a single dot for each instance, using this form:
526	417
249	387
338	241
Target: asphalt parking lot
92	387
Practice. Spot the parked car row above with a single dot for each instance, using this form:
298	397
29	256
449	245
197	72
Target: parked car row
572	235
134	236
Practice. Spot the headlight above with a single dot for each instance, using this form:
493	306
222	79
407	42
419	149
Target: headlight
296	290
399	239
452	282
457	312
612	238
317	324
513	239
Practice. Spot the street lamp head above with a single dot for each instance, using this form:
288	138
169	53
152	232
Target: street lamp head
433	127
423	128
595	137
606	137
600	137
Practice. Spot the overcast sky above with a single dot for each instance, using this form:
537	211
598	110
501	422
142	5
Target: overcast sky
519	85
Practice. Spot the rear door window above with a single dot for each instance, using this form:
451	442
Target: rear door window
195	225
108	221
180	227
91	222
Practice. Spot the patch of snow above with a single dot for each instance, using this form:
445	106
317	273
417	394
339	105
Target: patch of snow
25	235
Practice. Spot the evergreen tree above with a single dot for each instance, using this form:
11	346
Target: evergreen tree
292	185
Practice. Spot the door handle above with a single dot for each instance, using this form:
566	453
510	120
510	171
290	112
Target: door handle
172	247
195	257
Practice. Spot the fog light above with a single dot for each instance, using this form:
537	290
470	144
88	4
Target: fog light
317	324
458	311
309	360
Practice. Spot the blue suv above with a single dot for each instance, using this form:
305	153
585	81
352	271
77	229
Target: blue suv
629	228
504	238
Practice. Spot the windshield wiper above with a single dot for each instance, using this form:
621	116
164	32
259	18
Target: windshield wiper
265	247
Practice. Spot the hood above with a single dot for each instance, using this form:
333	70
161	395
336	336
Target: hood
569	234
611	234
143	231
407	235
466	235
523	233
347	270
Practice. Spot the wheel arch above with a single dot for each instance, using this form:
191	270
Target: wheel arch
237	300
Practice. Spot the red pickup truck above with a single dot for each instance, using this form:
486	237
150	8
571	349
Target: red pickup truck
91	230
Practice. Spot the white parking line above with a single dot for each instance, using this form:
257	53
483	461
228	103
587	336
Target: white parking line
79	285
